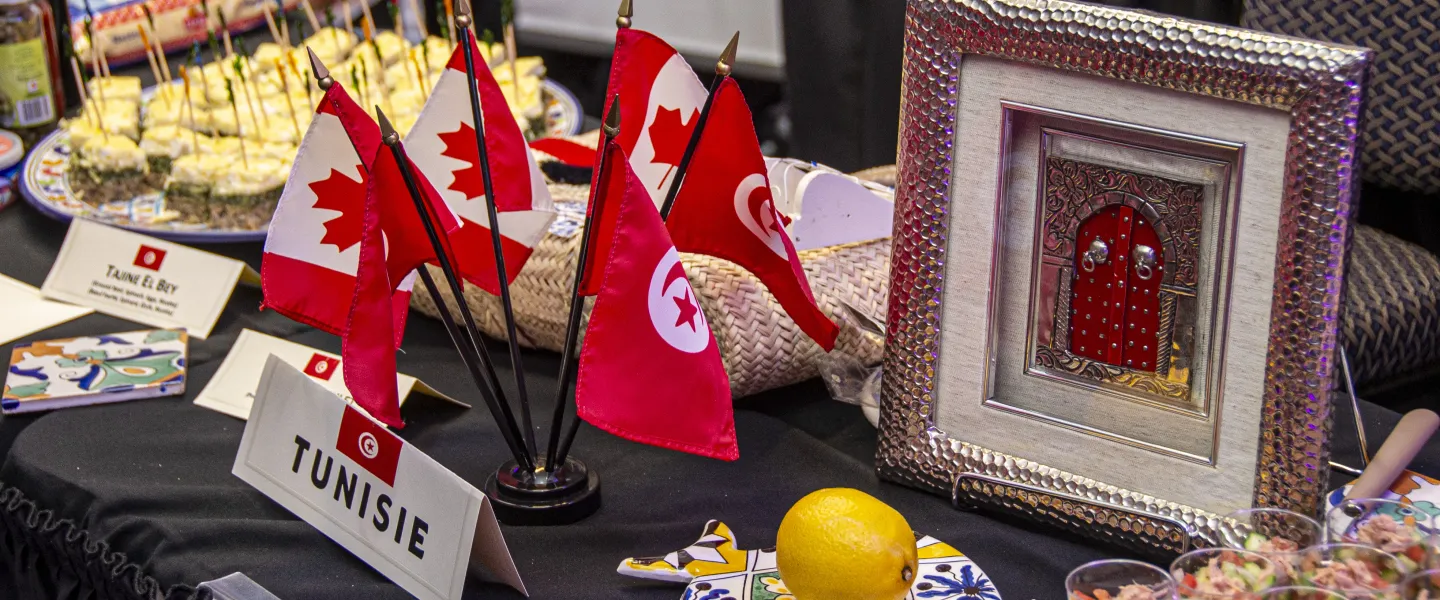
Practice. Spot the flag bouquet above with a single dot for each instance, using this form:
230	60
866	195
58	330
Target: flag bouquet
365	214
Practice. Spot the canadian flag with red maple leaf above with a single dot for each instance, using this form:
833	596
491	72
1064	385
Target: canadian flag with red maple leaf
725	209
650	370
658	89
442	144
313	246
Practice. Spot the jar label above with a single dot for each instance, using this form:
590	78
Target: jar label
25	99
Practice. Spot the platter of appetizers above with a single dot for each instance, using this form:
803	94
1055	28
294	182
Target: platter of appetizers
210	167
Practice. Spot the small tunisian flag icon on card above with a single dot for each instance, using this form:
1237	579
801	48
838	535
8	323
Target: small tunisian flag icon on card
149	257
321	367
369	445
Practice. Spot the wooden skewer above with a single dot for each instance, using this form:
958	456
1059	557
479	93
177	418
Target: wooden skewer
150	55
419	75
305	79
194	121
510	58
225	38
310	14
349	17
239	66
419	19
285	87
99	114
450	20
159	47
270	22
234	109
80	85
284	26
104	62
369	18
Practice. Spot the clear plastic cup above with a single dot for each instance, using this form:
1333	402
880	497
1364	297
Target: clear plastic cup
1225	574
1424	585
1387	525
1357	571
1300	592
1274	532
1117	578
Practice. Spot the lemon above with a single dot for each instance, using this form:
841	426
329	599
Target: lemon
843	544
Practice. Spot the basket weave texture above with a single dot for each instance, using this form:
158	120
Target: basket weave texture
1402	132
761	346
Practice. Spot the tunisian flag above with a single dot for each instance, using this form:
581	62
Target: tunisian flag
313	247
442	144
659	90
650	370
724	209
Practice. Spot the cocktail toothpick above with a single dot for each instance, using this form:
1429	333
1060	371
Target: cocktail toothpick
284	23
80	85
285	88
270	23
189	103
237	63
419	75
225	32
96	51
419	19
150	55
365	12
349	17
450	22
230	93
159	47
507	22
310	14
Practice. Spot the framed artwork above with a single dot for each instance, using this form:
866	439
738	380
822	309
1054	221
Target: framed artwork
1119	248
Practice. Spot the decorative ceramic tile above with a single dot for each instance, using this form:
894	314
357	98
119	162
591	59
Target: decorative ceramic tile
714	568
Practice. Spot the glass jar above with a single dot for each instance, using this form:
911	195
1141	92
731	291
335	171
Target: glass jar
27	69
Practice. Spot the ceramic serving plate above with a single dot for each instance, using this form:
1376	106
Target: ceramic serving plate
44	184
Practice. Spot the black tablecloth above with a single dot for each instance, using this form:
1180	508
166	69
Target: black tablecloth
136	500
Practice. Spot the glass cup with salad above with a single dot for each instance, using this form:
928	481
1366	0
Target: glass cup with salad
1277	533
1300	592
1357	571
1119	579
1225	573
1387	525
1424	585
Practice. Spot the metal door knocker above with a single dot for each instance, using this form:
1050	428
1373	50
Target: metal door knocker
1144	261
1098	254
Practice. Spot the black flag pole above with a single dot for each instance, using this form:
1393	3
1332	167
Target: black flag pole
722	70
463	21
498	409
577	304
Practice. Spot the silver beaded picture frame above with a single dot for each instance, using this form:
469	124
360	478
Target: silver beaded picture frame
981	400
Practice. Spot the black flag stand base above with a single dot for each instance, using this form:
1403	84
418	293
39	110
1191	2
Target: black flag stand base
543	497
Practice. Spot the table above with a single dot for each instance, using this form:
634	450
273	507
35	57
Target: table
136	500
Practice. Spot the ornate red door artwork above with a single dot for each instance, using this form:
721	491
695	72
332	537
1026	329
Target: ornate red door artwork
1115	298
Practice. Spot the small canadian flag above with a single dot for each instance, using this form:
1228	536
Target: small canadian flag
149	257
321	367
368	444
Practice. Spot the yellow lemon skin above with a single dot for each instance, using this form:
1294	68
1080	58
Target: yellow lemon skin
843	544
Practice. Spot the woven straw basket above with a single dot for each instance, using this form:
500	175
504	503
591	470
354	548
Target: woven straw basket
761	346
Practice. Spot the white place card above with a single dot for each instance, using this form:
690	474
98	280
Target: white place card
143	279
377	496
24	311
232	389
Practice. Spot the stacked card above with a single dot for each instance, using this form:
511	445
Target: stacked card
95	370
